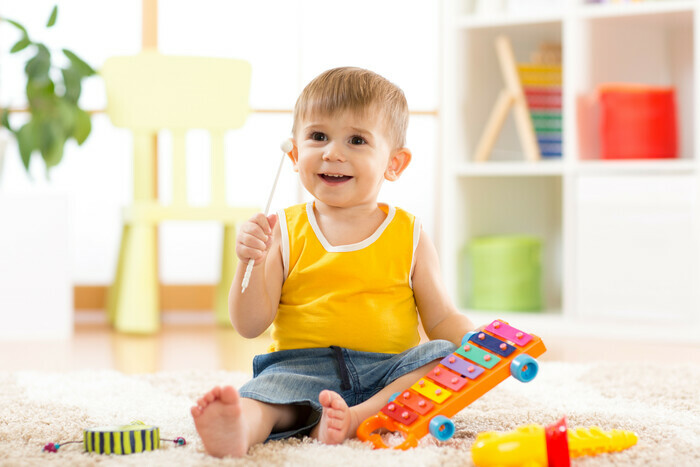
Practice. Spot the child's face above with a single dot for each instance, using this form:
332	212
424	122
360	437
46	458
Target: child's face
343	159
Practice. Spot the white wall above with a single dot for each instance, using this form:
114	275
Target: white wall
287	42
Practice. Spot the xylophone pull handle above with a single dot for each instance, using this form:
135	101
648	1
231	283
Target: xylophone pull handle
366	432
367	428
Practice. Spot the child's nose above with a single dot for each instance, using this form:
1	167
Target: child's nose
333	153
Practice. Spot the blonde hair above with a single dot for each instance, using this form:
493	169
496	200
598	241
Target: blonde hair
356	90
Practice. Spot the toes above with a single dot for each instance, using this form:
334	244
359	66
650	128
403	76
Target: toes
212	395
338	403
196	411
229	395
209	397
330	399
325	398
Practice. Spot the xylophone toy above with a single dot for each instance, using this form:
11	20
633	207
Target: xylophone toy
127	439
484	360
551	446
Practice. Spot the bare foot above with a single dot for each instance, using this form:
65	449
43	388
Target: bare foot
219	422
336	423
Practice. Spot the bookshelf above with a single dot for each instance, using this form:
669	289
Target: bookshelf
621	238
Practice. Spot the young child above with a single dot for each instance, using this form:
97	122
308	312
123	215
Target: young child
342	279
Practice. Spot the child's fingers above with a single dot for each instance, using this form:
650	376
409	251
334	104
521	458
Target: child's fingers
262	221
257	226
246	253
272	220
251	243
252	235
255	237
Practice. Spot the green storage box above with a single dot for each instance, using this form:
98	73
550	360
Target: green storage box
502	273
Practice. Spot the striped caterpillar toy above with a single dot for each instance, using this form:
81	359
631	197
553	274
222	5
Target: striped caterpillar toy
127	439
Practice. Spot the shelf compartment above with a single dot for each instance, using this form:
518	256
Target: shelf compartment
482	84
504	205
652	50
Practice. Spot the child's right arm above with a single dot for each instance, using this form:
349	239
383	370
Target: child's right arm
253	311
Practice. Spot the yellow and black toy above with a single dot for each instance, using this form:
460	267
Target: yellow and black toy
127	439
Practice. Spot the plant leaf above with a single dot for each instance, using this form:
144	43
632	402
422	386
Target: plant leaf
17	25
52	18
21	44
52	139
27	141
54	154
80	66
66	115
39	92
83	126
71	83
39	65
5	119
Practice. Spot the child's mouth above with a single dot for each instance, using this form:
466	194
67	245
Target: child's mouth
333	179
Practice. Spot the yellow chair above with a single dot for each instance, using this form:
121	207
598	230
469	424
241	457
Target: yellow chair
147	93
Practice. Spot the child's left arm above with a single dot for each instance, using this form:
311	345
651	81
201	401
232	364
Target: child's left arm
440	317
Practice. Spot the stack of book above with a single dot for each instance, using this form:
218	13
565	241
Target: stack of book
542	86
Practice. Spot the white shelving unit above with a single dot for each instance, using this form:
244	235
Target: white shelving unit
621	239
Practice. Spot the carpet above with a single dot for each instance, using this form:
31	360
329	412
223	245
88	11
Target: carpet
660	403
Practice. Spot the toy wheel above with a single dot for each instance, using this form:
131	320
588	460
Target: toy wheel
393	396
441	427
466	337
524	368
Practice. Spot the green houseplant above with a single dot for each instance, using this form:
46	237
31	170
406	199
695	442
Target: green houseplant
52	99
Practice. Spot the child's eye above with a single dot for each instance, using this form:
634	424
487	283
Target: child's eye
357	140
318	136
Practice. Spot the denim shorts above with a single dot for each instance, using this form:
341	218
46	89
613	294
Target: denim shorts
297	376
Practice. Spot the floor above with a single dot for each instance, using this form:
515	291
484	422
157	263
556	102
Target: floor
184	344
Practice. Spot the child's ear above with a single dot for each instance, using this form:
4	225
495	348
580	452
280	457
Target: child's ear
294	155
398	162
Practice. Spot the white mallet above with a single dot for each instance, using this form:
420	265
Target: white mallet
286	147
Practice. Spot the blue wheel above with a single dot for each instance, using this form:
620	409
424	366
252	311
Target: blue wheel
441	427
524	368
466	337
394	396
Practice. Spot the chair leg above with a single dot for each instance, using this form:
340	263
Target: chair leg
113	291
136	300
229	261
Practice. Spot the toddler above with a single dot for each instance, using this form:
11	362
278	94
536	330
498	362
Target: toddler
343	280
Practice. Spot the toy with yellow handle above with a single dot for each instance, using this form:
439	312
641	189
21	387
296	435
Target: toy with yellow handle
551	446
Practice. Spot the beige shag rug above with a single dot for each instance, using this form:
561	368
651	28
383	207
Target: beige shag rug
660	403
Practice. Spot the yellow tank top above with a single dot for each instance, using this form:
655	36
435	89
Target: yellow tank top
357	296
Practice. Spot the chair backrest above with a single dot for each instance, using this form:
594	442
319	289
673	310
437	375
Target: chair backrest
149	92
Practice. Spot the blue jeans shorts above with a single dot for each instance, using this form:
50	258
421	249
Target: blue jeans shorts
297	376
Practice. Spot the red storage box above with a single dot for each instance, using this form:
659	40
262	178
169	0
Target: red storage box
637	122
